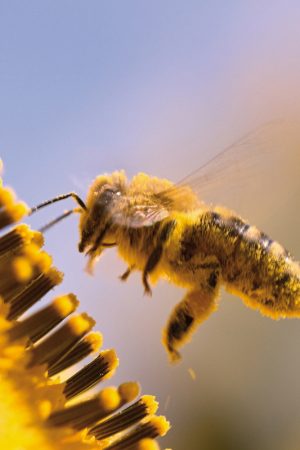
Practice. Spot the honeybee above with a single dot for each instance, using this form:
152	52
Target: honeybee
164	230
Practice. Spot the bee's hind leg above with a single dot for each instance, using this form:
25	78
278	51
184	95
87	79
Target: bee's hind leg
195	307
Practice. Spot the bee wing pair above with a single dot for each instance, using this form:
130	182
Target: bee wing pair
254	175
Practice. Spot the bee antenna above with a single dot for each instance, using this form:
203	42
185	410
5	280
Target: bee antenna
58	199
55	221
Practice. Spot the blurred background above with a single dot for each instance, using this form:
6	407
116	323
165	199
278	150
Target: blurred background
88	87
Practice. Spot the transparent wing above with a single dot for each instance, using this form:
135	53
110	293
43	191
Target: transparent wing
254	177
128	213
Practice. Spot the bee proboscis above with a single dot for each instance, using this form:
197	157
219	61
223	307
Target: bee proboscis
162	229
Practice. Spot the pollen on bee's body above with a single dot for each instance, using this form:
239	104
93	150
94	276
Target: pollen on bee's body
277	250
252	233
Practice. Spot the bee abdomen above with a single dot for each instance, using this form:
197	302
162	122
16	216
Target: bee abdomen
281	295
256	266
270	276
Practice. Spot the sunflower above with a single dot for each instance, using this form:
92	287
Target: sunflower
37	408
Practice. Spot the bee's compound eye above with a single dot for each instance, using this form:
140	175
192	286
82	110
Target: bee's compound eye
106	196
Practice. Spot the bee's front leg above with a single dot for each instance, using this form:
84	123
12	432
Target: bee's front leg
195	307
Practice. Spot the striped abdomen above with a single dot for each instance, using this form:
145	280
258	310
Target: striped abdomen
253	266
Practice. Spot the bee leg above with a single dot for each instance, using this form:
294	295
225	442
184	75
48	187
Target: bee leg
155	256
126	274
150	266
195	307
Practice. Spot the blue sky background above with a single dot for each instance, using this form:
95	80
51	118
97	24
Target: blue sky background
89	87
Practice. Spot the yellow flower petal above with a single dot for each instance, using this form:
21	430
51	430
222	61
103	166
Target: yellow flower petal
37	409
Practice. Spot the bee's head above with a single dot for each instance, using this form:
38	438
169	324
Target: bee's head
95	226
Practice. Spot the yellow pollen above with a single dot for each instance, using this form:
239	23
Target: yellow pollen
45	408
17	211
7	197
151	403
81	323
28	235
65	304
37	257
44	262
113	361
147	444
161	424
109	398
24	231
95	340
37	238
22	269
55	276
129	391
